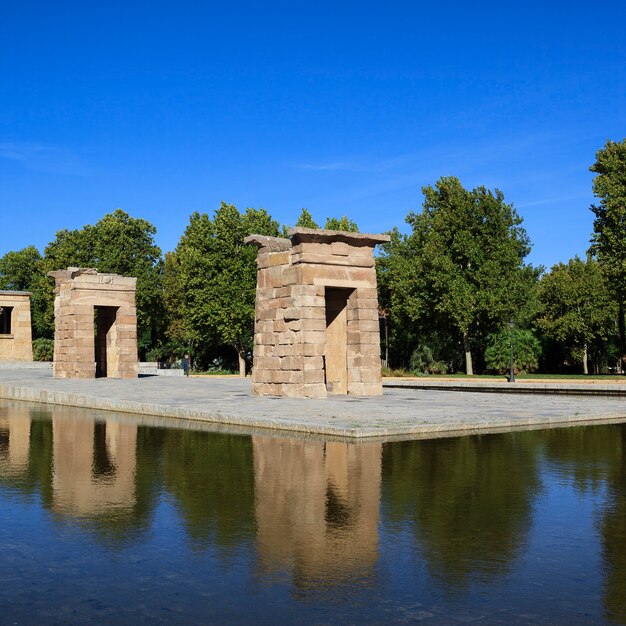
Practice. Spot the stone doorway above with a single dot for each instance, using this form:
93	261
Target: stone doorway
104	322
15	327
336	359
95	324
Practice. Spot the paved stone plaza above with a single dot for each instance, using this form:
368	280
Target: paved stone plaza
399	413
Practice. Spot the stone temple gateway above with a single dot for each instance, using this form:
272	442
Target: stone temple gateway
95	325
316	326
15	328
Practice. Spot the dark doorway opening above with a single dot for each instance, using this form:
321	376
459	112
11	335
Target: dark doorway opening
336	361
104	318
5	319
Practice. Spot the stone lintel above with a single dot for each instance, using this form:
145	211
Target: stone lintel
273	244
314	235
15	294
82	277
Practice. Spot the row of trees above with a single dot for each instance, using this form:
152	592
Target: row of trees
449	289
198	298
454	286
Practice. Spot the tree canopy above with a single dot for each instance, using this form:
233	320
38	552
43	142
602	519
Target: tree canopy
463	263
120	244
577	307
217	273
609	226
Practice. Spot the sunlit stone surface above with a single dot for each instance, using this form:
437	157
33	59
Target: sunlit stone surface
15	326
95	324
316	325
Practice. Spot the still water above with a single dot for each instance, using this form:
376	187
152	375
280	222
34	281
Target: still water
104	519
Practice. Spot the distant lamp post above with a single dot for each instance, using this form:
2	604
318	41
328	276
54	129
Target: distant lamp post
511	371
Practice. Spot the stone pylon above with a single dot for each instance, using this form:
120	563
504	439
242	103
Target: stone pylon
15	326
316	326
95	324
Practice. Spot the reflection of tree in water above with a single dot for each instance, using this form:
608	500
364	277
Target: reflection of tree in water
594	456
585	453
470	499
211	475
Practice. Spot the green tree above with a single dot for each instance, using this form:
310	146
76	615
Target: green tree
18	269
526	351
577	307
176	328
218	275
461	270
341	223
120	244
22	270
609	226
306	220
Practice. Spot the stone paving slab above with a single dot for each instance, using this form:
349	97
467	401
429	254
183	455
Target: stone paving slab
578	387
400	412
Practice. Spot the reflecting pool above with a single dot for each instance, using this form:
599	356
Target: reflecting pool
109	519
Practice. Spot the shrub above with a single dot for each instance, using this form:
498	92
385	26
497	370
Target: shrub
526	351
43	349
424	362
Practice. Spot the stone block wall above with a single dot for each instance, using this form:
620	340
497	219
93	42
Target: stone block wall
316	314
16	345
79	293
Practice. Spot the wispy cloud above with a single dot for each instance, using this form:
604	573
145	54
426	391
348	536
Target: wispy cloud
44	159
327	167
554	200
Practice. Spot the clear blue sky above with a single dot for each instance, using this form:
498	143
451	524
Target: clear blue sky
162	108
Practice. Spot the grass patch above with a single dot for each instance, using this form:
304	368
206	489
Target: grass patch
403	373
215	373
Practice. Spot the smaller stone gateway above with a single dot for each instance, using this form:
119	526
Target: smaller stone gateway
316	326
16	338
95	324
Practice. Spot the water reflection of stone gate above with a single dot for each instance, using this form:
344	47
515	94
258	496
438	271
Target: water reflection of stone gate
317	508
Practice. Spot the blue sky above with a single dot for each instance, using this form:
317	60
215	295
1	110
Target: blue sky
162	108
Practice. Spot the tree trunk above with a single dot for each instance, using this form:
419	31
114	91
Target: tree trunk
469	370
585	361
386	342
242	363
622	336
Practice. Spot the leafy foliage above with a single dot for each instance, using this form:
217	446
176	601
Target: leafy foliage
577	307
43	349
609	226
306	220
120	244
342	223
21	270
461	270
526	351
423	361
217	274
